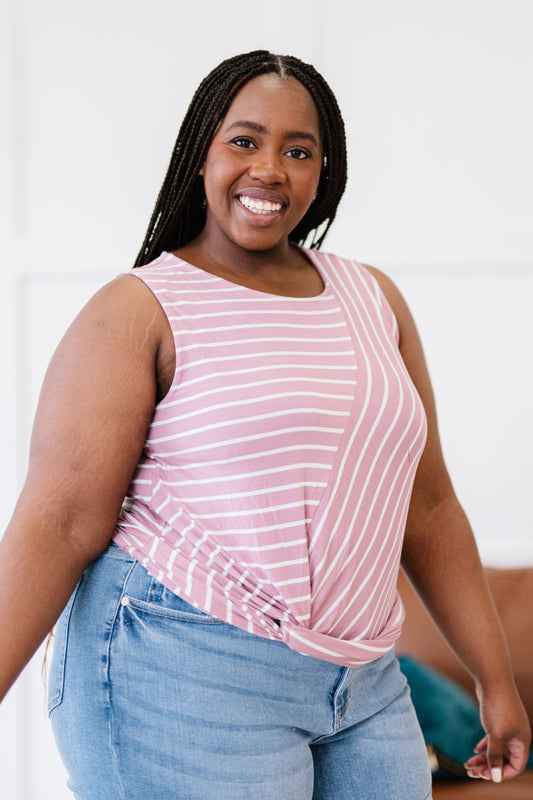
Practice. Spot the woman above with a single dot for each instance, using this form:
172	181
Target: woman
244	421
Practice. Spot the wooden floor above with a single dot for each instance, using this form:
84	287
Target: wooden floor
518	789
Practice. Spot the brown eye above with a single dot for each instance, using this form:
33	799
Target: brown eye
299	153
243	142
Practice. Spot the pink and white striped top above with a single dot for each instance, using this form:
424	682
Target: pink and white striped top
276	475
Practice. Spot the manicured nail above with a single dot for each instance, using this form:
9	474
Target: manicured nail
496	774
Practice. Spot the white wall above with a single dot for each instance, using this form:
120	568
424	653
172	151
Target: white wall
436	98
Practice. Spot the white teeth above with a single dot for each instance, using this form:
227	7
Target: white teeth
259	206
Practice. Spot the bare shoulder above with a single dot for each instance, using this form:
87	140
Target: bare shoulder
111	361
125	299
126	321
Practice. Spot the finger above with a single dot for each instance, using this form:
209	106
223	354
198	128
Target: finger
474	762
496	774
495	762
509	772
478	771
477	767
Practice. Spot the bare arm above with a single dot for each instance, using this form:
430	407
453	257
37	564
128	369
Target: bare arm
440	557
96	403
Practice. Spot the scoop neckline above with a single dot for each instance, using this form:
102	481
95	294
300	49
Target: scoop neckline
308	253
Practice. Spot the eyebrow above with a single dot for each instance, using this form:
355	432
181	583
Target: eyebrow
258	128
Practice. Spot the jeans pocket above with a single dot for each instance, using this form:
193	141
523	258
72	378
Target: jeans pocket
56	676
157	600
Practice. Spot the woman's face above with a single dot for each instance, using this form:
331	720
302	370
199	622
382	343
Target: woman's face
263	166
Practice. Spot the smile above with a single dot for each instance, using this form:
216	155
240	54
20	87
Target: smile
259	206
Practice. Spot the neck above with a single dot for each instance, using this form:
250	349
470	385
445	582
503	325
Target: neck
283	270
220	252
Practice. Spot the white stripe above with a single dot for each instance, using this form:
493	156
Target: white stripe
249	370
244	420
255	511
242	342
210	301
244	548
248	457
274	355
304	325
253	438
291	581
255	492
278	564
289	380
252	401
328	651
280	526
257	312
252	474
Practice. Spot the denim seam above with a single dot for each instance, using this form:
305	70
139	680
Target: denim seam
181	616
338	713
58	699
108	681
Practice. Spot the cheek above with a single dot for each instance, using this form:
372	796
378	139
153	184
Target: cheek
308	186
218	175
218	161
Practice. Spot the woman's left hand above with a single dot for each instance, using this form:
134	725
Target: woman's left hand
501	754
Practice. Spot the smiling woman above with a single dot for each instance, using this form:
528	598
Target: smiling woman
235	448
261	175
179	214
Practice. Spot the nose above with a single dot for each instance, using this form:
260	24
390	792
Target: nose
267	167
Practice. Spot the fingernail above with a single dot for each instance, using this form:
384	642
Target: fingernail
496	774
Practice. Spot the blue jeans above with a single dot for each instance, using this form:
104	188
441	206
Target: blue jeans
150	698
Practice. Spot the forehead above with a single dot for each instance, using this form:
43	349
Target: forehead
271	101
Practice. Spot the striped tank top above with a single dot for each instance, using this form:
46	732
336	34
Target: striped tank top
274	483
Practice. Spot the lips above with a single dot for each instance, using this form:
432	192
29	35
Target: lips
261	201
259	206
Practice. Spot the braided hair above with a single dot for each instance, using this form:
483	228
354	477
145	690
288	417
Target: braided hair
180	211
